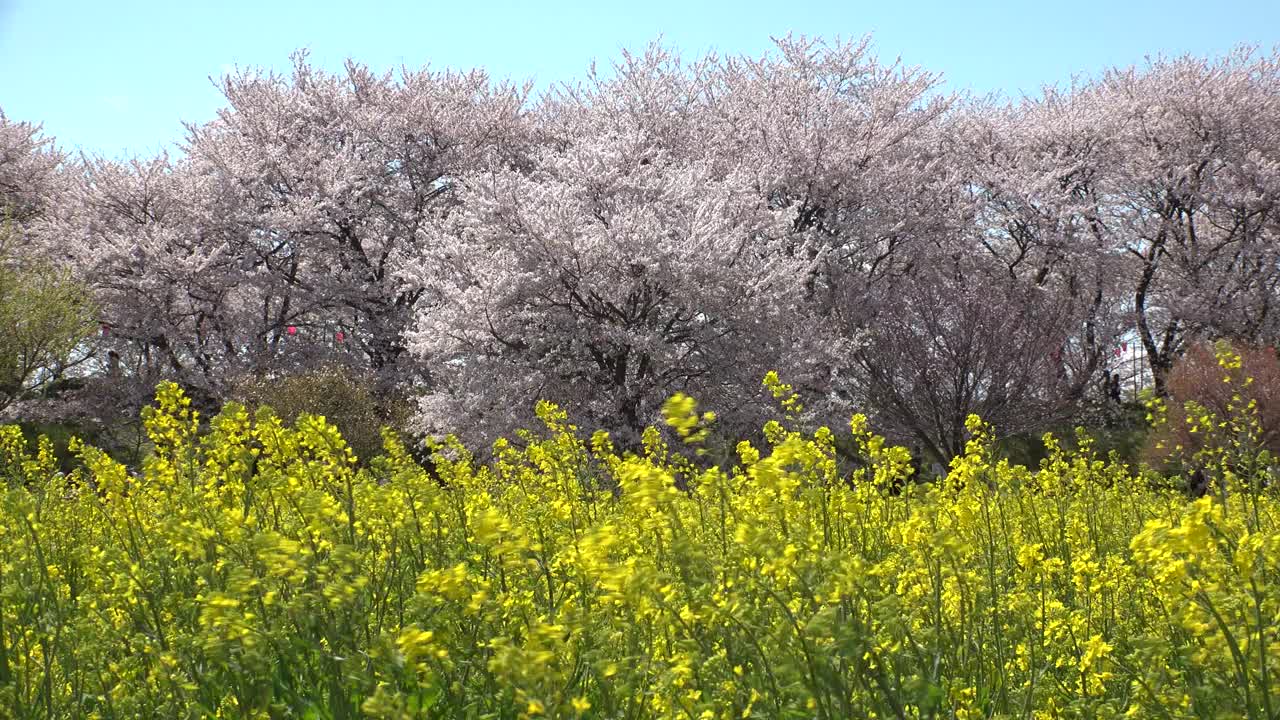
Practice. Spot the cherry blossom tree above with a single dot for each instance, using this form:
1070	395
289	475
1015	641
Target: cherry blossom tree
28	171
1152	189
323	186
621	268
958	335
848	144
273	245
1194	198
167	300
1037	171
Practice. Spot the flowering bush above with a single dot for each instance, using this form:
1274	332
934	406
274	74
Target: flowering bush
254	570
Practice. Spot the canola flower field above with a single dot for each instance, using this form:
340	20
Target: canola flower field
254	570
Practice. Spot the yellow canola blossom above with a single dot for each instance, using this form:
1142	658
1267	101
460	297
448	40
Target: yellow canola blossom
254	569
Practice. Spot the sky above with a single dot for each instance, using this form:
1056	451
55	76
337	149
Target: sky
119	78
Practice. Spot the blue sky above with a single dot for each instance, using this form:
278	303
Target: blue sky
119	77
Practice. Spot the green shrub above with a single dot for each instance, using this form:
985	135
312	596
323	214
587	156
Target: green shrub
342	397
45	318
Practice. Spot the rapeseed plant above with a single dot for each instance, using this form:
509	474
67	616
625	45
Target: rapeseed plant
255	570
